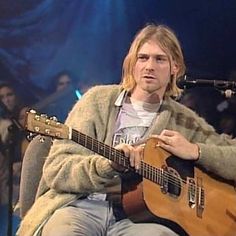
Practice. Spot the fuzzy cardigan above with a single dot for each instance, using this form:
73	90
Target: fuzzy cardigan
71	171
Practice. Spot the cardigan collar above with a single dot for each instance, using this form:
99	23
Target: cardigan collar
119	101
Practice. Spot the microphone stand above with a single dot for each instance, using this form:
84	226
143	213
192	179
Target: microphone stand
9	154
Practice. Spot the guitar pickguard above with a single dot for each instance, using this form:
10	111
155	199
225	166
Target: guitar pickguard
175	170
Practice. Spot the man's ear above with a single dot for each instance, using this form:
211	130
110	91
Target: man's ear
174	69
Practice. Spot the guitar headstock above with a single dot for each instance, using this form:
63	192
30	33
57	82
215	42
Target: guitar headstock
48	126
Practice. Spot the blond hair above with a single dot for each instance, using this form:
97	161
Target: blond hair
168	42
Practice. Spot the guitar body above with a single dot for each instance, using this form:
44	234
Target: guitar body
213	212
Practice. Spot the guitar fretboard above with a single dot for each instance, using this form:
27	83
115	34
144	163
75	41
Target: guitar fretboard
147	171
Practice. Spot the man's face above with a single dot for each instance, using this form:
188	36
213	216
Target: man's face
152	70
63	82
8	98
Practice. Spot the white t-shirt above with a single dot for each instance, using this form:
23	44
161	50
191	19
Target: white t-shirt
132	122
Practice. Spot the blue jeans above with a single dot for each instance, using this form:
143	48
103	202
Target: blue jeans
95	218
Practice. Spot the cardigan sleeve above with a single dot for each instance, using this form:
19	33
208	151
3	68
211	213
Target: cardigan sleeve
218	151
72	168
218	155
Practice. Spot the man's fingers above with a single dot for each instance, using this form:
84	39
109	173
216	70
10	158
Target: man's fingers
168	133
138	156
135	154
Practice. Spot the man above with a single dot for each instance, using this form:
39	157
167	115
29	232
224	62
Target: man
76	183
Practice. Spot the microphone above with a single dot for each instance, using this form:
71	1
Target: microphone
186	82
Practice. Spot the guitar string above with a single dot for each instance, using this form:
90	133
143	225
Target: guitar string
157	174
101	148
150	172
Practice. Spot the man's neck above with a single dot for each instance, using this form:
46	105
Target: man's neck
146	96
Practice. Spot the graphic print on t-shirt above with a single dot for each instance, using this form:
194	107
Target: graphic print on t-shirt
129	135
132	123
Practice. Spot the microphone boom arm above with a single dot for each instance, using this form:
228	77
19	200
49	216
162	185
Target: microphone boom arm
187	82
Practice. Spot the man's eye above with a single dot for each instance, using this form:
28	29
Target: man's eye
161	59
142	57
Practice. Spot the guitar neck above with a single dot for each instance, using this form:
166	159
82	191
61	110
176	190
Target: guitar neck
50	127
100	148
149	172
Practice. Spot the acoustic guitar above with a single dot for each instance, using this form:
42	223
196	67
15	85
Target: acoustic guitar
193	203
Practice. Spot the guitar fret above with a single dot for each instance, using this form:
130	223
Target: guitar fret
152	174
92	145
117	155
96	146
100	149
111	154
106	151
147	171
85	141
159	177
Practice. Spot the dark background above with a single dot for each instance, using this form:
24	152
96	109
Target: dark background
90	38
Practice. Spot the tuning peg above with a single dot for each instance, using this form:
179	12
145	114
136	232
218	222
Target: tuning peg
44	116
53	118
30	136
42	139
32	111
47	131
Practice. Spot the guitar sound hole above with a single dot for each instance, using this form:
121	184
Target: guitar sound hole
171	182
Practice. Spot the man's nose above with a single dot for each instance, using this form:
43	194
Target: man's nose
150	64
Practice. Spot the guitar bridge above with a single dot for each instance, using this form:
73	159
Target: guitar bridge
196	196
200	198
192	193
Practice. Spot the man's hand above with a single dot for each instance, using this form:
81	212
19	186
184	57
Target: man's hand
135	154
177	144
